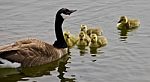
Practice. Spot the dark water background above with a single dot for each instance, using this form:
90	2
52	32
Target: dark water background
124	59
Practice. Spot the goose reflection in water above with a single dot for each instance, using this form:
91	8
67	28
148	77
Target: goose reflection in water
61	70
20	74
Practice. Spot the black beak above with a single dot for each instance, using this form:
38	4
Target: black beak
120	20
68	37
82	30
71	11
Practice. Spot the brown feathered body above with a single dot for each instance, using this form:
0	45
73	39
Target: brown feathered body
31	52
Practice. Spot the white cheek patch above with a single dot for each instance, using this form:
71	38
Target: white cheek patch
64	16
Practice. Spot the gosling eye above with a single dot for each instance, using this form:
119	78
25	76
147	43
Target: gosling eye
65	34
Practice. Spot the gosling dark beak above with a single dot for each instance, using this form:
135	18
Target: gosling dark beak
68	37
120	20
82	30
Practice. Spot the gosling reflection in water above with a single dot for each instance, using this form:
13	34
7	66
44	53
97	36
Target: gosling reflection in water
93	50
83	50
124	33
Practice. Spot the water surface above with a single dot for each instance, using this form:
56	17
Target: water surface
124	59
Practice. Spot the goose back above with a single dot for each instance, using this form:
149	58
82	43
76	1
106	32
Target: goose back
31	52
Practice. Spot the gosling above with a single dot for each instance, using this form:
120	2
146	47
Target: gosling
89	31
84	29
98	41
82	40
126	23
70	40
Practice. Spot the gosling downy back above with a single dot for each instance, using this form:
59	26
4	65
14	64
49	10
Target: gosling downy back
91	30
103	40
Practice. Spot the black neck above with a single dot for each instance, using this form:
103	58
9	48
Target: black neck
60	42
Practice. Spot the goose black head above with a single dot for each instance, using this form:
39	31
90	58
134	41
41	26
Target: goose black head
64	12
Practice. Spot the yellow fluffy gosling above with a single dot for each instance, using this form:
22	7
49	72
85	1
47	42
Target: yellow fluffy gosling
82	40
89	31
98	41
70	40
84	29
126	23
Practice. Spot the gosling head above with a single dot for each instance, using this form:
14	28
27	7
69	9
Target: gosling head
65	13
89	32
83	28
93	38
81	35
123	19
66	34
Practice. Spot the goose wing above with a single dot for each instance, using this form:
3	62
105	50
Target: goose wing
30	52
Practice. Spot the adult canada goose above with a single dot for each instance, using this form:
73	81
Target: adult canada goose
89	31
31	52
98	41
126	23
70	40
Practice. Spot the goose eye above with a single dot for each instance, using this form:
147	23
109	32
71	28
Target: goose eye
66	12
